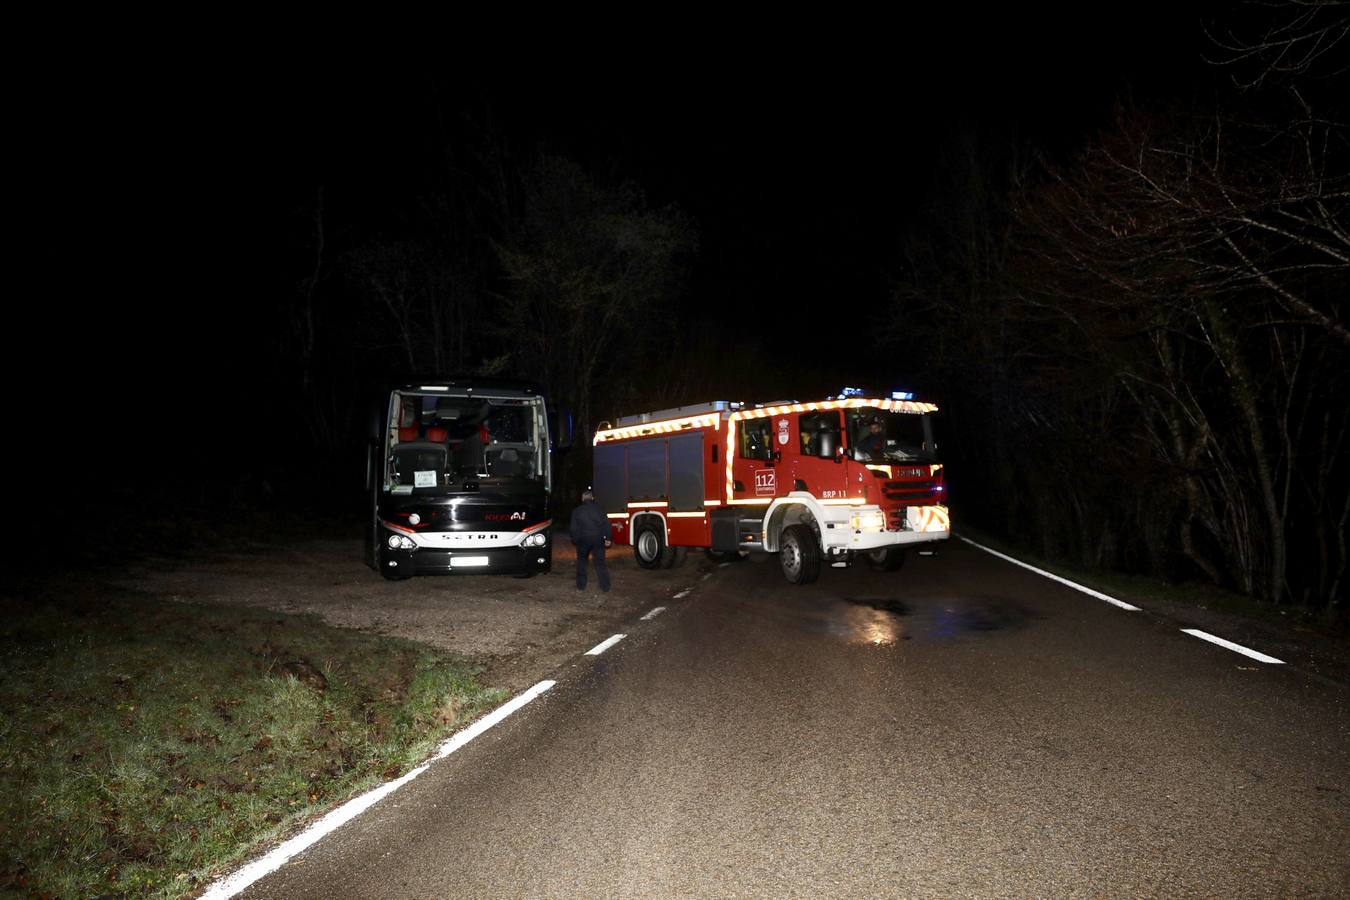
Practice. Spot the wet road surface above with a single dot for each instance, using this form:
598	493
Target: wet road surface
958	728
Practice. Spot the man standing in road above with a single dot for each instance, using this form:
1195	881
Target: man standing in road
590	532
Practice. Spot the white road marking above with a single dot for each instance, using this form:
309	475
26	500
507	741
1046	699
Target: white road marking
1053	577
656	611
1193	632
242	878
684	593
605	645
1236	648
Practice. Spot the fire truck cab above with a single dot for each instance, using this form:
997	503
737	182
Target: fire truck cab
827	482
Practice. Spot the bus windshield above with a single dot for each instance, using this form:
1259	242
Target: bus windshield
437	442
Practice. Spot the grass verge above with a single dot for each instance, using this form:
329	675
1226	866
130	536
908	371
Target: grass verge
145	745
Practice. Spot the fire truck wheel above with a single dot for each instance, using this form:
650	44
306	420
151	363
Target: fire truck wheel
649	547
799	555
886	559
677	556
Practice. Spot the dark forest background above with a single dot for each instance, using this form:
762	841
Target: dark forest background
1128	296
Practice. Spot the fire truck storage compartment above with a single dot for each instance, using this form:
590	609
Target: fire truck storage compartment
686	472
611	479
665	468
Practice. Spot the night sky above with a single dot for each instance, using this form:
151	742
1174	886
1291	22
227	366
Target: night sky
165	190
802	164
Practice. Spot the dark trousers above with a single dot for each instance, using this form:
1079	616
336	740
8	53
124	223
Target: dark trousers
585	547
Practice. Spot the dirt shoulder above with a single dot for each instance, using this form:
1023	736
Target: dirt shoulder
520	629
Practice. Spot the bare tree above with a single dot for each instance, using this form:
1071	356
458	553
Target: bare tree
1149	342
591	272
1217	236
1288	39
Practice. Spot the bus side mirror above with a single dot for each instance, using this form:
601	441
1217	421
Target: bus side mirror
560	428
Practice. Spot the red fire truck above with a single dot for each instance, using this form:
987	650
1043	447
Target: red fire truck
828	482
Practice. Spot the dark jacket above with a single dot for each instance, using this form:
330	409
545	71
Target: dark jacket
873	444
589	523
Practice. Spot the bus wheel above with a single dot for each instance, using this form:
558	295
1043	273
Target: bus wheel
799	555
886	559
649	547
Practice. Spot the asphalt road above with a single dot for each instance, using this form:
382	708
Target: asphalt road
961	728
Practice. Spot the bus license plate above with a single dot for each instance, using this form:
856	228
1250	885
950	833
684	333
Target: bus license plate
457	561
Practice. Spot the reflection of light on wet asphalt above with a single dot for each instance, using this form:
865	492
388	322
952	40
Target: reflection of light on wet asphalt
864	626
882	629
947	623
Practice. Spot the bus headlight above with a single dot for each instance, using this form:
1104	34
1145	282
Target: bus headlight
399	542
538	539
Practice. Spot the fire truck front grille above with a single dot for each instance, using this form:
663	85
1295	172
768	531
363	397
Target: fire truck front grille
908	490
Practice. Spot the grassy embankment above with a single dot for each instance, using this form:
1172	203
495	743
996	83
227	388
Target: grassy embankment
145	744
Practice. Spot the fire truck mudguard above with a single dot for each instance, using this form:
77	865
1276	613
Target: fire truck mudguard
846	479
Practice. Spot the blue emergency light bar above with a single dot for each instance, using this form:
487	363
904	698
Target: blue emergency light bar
847	392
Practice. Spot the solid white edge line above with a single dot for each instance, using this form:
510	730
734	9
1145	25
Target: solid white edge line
1053	577
1236	648
656	611
605	645
279	855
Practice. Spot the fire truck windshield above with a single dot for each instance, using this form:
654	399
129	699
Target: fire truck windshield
880	435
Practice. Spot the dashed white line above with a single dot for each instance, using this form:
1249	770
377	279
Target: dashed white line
605	645
684	593
1236	648
1053	577
1193	632
656	611
242	878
